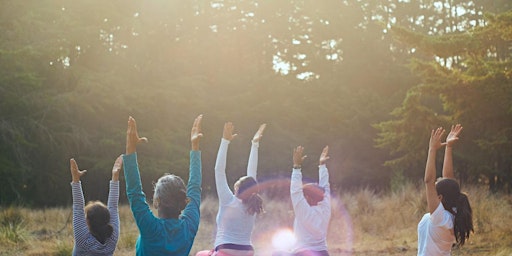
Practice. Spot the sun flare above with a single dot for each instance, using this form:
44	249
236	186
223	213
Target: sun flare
284	240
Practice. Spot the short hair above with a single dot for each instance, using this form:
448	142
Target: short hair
170	194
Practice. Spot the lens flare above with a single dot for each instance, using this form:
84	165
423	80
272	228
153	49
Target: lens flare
284	240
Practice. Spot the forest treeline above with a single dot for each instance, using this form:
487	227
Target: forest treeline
368	78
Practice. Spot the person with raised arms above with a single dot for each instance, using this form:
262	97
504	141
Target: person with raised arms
312	207
449	219
173	230
95	227
238	210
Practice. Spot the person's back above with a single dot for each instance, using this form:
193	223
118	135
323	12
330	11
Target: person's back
449	218
174	230
95	227
312	207
237	211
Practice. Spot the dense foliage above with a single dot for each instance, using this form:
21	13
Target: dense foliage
318	73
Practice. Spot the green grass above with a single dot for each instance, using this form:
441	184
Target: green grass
363	222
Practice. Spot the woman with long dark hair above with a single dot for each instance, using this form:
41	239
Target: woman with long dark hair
449	218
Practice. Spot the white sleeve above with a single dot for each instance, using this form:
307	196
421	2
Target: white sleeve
221	182
252	166
299	203
441	217
323	175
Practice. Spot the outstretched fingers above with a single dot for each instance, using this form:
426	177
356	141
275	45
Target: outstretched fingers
325	155
228	131
298	156
453	136
435	138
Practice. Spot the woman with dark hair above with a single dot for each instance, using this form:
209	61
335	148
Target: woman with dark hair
238	210
449	220
173	230
95	227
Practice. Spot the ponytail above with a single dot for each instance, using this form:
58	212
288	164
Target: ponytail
247	191
254	204
98	218
102	233
463	223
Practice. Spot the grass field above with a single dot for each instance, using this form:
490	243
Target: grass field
362	223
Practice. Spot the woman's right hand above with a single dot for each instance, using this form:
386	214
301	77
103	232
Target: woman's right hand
259	133
195	133
116	169
324	156
227	134
75	172
453	136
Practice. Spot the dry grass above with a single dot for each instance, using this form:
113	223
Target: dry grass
363	223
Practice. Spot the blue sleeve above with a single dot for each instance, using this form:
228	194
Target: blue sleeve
191	212
146	221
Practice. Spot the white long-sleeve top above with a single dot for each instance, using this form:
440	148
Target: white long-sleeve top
311	222
234	224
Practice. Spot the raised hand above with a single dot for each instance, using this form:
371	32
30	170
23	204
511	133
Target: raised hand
132	137
435	139
116	169
227	134
298	157
453	136
324	156
195	133
259	133
75	172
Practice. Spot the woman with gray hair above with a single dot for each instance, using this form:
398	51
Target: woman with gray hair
173	230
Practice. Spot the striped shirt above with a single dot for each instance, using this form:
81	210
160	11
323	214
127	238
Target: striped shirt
85	242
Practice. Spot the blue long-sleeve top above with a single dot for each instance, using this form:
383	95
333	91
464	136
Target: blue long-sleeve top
164	236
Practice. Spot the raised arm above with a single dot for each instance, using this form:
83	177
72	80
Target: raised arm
132	137
221	182
80	229
452	137
323	174
191	211
252	166
195	133
297	196
113	195
144	218
430	169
